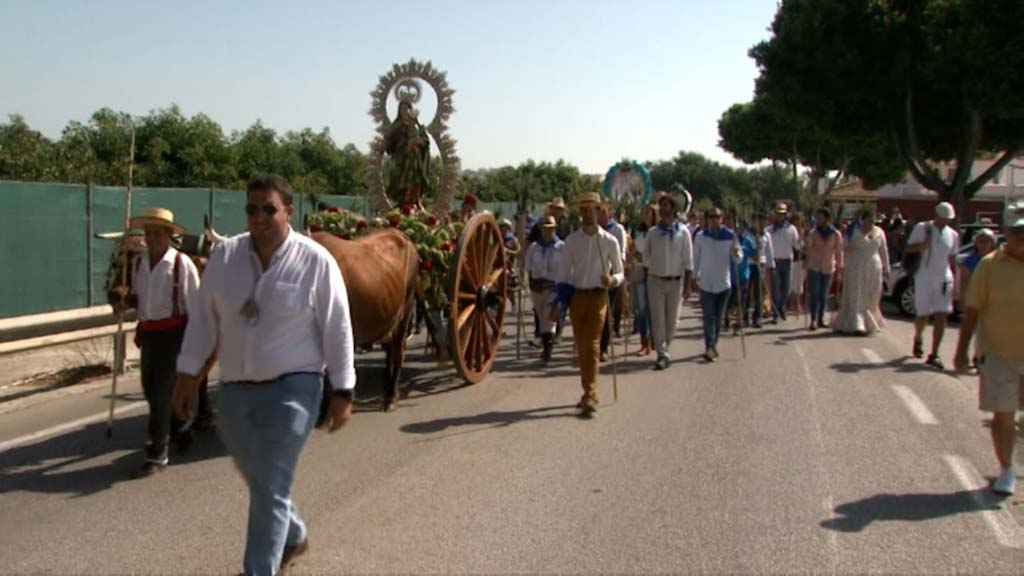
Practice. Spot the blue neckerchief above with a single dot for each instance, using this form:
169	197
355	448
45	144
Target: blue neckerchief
850	229
610	225
826	231
722	234
545	245
669	231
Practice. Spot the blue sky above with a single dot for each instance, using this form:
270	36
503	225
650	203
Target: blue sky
587	81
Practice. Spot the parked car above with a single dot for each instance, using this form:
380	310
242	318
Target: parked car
899	288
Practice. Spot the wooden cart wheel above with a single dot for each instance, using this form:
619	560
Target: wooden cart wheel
477	291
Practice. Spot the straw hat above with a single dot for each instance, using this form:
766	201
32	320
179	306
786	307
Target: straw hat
548	222
557	203
945	210
781	209
156	217
588	198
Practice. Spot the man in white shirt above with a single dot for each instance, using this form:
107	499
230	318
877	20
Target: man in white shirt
934	281
591	265
716	249
164	284
543	264
668	253
276	303
785	241
612	322
762	265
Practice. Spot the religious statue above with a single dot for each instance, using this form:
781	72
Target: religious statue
409	147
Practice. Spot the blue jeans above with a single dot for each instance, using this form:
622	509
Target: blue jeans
264	427
641	308
713	306
818	294
781	286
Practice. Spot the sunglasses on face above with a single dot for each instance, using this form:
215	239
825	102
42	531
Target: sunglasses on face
253	209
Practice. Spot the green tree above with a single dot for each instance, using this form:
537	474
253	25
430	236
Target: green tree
25	154
937	78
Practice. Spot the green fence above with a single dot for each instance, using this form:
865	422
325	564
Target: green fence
50	259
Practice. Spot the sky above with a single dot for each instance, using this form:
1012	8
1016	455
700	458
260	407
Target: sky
587	81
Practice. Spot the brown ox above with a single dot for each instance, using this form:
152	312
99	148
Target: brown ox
381	275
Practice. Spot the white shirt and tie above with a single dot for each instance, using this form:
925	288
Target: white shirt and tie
301	321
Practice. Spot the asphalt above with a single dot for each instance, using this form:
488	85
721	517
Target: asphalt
802	457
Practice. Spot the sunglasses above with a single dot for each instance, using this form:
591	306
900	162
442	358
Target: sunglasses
268	209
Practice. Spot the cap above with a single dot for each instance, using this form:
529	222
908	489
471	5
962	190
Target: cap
1013	215
945	210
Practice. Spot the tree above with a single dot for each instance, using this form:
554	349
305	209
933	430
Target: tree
936	78
25	154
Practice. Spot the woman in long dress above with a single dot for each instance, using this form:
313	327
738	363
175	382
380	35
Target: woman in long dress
867	262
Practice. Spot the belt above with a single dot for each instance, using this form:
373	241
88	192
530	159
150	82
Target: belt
272	380
163	325
669	278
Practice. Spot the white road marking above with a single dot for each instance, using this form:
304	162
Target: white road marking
872	356
54	430
920	412
829	500
1005	527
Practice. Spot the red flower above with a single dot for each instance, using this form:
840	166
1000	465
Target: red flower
334	209
315	228
432	220
446	247
427	265
362	225
394	221
407	209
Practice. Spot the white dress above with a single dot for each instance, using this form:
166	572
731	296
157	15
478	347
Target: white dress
867	259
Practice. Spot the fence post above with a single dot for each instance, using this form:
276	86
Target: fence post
211	208
88	244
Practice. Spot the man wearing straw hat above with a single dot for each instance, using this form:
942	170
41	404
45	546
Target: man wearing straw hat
543	264
164	285
785	243
591	265
668	253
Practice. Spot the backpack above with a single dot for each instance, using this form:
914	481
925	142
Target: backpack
912	262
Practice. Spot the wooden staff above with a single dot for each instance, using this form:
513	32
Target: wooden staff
124	283
611	338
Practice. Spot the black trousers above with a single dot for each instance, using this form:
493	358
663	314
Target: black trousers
159	373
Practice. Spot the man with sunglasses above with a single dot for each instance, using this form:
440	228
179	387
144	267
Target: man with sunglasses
995	308
276	303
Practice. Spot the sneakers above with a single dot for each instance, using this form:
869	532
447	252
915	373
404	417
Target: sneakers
1004	484
661	363
708	357
148	469
291	552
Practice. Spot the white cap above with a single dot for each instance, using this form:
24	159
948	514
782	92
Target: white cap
945	210
1013	215
986	232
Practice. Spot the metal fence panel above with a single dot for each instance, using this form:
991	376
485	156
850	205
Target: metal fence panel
42	260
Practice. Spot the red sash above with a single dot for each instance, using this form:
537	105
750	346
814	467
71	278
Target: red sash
176	319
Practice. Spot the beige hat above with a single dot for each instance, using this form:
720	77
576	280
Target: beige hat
548	222
156	217
505	222
557	203
781	209
945	210
588	198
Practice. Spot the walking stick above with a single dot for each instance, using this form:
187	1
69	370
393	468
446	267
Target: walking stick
611	338
124	283
739	311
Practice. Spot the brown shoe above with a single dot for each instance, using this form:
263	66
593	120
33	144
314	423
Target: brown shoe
291	552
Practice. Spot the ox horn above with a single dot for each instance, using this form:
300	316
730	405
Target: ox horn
211	235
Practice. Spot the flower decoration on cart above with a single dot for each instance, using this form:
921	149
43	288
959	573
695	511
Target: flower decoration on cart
434	240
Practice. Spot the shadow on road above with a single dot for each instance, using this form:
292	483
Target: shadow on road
856	516
62	464
495	419
905	365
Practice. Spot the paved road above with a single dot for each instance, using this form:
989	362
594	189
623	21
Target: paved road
814	453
